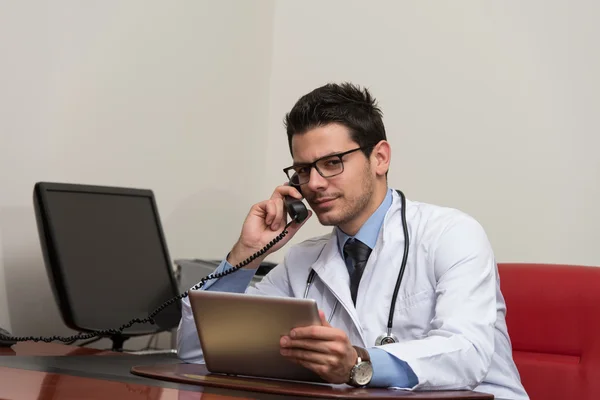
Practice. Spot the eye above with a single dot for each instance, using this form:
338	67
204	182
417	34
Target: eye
303	170
332	162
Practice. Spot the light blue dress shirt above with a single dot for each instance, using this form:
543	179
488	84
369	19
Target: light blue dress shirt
388	371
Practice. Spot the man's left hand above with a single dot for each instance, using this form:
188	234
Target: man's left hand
323	349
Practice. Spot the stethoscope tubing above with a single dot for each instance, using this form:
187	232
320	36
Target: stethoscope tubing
390	323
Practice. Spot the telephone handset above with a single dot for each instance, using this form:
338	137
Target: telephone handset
295	209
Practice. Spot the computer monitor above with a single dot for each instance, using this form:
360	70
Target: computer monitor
106	257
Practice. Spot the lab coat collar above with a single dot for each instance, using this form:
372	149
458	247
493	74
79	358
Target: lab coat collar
331	269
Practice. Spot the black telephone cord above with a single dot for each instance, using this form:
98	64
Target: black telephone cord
150	317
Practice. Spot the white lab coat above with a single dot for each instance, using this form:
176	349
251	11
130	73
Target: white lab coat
449	315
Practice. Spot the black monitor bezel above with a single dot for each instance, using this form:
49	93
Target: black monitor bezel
53	262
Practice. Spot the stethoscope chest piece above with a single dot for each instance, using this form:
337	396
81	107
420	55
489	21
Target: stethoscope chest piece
386	338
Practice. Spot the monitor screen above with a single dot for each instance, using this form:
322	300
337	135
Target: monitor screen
110	254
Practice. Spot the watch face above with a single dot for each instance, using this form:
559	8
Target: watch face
363	373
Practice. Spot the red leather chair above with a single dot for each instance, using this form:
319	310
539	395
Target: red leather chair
553	317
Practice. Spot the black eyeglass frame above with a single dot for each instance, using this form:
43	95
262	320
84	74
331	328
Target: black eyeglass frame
314	165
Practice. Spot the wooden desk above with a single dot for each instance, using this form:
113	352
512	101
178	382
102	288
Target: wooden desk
29	381
16	383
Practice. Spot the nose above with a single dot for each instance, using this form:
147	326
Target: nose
316	182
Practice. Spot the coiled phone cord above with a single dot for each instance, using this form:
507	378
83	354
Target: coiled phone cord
150	317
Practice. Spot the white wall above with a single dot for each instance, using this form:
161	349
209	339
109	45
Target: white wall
170	96
490	107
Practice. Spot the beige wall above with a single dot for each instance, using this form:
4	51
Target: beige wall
148	94
490	107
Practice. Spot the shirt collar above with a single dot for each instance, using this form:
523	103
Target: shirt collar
369	232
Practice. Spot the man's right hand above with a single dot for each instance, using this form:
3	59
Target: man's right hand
262	224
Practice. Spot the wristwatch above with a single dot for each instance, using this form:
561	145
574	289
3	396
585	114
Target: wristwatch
361	373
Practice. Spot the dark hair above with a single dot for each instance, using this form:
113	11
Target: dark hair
346	104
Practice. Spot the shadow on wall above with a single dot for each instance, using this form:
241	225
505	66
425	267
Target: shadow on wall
206	223
31	305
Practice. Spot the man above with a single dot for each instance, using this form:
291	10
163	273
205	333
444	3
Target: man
449	314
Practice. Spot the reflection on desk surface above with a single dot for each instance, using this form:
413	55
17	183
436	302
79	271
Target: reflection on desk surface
31	370
38	370
24	385
41	385
51	349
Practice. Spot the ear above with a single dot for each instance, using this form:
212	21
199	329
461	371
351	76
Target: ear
380	158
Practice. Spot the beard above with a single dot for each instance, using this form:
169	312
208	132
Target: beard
346	208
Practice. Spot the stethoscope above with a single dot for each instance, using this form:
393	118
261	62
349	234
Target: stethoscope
387	337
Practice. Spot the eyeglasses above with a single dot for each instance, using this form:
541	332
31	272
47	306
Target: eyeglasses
327	167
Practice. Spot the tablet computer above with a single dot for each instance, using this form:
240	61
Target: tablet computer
239	333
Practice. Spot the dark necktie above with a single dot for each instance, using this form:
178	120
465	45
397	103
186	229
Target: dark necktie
359	253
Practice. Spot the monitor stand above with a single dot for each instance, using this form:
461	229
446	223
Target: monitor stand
117	342
117	345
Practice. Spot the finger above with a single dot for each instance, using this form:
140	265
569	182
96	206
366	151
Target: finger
271	212
286	190
295	187
319	346
280	214
307	355
260	210
324	321
338	348
316	332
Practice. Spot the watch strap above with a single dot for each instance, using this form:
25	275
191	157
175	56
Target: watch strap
362	353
